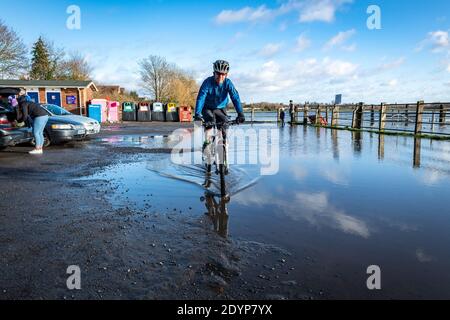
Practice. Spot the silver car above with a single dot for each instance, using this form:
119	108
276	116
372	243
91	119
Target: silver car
92	126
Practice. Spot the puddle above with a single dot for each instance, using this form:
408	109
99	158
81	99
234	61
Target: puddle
339	203
142	141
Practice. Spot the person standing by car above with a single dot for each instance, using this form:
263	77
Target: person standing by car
39	118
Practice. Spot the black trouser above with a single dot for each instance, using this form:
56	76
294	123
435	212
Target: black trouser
217	116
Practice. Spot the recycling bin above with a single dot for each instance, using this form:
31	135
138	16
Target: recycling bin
129	111
172	113
95	112
113	111
103	103
185	114
158	113
144	112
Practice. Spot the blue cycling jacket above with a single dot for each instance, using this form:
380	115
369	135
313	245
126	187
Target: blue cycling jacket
213	96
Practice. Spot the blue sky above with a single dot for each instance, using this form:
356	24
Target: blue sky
306	50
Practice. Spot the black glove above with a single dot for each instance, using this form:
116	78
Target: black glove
240	118
198	118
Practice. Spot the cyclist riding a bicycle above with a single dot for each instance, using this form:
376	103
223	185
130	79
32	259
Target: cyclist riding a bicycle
212	102
213	98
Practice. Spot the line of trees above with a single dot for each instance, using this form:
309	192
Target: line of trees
47	62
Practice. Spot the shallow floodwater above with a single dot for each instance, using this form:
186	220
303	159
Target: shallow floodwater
339	203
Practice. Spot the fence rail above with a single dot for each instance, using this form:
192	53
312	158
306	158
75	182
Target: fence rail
419	119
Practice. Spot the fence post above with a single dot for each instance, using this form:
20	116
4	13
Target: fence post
382	116
372	115
441	115
278	115
326	114
419	117
305	114
406	115
432	122
335	116
253	114
357	116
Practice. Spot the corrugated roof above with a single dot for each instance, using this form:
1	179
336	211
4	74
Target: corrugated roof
46	83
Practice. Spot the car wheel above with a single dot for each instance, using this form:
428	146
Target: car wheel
47	141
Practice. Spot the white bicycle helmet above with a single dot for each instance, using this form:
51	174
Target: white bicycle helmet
221	66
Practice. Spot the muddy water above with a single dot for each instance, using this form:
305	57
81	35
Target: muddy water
339	203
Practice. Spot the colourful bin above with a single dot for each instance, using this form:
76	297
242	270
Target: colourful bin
172	113
144	112
95	112
158	113
129	111
113	111
103	103
185	114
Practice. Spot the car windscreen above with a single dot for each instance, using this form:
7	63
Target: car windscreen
56	110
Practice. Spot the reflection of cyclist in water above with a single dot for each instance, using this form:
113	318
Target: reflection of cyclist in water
213	99
217	212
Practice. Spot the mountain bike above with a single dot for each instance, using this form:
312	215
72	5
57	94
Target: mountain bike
215	151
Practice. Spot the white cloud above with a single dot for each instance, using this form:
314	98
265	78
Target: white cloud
246	14
340	39
309	11
303	43
326	67
393	83
270	49
266	78
320	10
392	65
438	41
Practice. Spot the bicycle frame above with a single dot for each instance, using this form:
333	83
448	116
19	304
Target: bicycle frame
215	151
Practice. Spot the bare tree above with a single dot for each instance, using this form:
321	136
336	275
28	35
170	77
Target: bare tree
156	75
76	67
13	53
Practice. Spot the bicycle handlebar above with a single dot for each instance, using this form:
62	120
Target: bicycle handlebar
214	124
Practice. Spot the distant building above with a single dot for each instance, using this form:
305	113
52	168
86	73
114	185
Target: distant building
338	99
71	95
110	90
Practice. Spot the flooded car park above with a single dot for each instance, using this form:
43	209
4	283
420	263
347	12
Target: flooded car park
141	226
325	208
